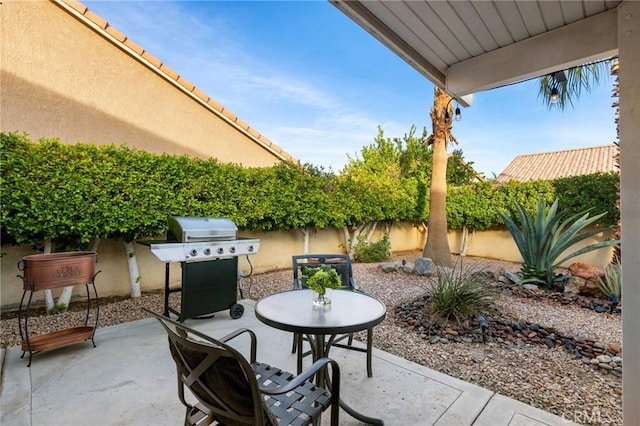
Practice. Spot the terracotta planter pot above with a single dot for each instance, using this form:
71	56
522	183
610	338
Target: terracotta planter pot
45	271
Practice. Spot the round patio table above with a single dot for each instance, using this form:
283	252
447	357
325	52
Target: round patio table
350	311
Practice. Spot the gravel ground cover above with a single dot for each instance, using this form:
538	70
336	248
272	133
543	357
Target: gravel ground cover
548	378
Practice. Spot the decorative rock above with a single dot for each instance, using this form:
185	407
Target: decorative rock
531	287
504	280
390	266
408	269
613	347
513	277
504	331
498	273
584	280
584	271
424	266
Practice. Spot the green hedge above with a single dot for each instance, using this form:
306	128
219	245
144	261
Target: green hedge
74	193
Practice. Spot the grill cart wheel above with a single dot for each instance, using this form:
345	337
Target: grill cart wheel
236	311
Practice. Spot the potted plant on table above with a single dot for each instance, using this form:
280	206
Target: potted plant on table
319	280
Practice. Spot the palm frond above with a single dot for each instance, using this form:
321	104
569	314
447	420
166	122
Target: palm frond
575	80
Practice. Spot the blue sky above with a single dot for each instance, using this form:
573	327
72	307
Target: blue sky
316	84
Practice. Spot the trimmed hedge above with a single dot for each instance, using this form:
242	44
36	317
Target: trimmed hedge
74	193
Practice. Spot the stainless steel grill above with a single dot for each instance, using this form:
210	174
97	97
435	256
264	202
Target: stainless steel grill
193	239
208	251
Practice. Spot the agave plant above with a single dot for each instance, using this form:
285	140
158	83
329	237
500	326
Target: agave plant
548	235
611	285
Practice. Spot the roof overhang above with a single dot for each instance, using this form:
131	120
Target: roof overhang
466	47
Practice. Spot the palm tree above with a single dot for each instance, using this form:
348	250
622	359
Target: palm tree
561	88
437	245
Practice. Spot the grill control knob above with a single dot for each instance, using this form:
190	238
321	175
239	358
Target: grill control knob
250	249
232	249
193	252
220	250
207	251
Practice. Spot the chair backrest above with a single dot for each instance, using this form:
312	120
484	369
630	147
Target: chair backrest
217	375
340	262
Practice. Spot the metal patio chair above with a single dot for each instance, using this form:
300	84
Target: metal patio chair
232	391
342	264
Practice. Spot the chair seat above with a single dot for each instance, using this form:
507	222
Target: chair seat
236	391
296	407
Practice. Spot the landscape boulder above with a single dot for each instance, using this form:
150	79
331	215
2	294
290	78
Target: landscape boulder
423	266
584	281
390	266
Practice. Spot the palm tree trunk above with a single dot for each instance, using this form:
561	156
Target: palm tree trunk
437	245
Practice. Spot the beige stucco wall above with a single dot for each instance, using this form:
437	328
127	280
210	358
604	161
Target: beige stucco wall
60	78
276	249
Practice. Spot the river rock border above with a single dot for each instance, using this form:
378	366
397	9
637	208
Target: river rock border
606	357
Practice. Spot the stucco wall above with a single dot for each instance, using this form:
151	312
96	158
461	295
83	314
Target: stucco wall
60	78
276	249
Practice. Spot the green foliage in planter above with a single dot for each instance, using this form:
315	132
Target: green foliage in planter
373	252
457	294
543	238
320	279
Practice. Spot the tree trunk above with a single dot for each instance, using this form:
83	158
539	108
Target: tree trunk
466	240
48	294
305	248
134	274
437	245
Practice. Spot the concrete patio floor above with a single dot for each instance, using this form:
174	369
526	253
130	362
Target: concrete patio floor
129	379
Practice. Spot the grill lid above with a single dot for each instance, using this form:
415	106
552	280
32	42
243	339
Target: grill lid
198	229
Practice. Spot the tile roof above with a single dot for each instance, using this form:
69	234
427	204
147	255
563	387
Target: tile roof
557	164
102	27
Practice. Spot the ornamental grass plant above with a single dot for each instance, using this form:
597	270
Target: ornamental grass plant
457	294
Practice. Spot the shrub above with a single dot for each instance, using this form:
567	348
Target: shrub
543	238
457	294
373	252
612	283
